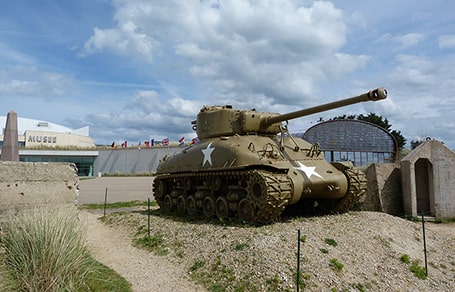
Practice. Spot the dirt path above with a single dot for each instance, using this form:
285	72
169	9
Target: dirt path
146	272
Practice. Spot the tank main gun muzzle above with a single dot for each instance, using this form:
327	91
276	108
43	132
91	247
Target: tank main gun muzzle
377	94
372	95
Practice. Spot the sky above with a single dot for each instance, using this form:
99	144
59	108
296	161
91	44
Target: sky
137	70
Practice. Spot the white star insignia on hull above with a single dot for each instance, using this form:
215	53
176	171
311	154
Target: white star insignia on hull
308	170
207	154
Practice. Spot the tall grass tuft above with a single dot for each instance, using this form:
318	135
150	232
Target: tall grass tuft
44	250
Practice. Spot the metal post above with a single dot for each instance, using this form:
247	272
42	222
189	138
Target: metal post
298	260
424	245
148	214
105	201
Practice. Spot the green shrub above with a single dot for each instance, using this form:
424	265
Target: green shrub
241	246
405	258
197	265
418	271
336	265
331	241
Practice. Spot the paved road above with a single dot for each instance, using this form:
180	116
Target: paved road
119	189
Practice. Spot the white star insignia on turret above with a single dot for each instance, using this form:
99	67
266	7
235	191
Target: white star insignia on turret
308	170
207	154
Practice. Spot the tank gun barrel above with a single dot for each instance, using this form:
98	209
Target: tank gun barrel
372	95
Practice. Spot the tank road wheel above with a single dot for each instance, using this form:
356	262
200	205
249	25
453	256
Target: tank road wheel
208	207
167	205
191	206
222	208
218	184
246	210
188	184
181	204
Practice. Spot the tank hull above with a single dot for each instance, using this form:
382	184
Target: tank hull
249	177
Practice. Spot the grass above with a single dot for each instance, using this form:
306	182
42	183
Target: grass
197	265
44	249
153	243
117	205
117	174
241	246
405	258
336	265
418	271
331	241
103	278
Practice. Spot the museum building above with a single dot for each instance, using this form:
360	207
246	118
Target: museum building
42	141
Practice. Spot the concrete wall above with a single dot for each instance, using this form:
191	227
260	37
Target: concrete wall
28	184
384	189
130	160
438	162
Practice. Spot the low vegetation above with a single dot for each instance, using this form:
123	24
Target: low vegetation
418	271
117	205
336	265
45	249
356	251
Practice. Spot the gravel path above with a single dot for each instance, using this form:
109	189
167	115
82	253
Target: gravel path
144	270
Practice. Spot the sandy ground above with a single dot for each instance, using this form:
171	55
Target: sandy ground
145	271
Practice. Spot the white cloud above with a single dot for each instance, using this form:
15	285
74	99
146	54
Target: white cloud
279	45
403	41
415	71
125	40
147	102
28	81
446	41
276	56
410	39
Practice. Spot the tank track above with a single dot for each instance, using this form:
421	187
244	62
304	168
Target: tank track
253	196
356	191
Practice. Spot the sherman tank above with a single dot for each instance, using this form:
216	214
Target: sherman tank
246	165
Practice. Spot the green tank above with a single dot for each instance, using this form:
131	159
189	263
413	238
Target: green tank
247	166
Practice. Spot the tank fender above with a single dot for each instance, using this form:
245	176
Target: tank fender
298	183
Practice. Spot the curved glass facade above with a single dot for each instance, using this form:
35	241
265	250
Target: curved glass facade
361	142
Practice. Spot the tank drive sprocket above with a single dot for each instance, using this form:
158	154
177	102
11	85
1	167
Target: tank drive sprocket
267	196
356	191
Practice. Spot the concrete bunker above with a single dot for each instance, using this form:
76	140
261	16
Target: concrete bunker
428	181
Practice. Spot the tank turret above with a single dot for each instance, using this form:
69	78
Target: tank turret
215	121
242	169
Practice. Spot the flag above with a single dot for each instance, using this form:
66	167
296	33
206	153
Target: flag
165	142
194	140
182	141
